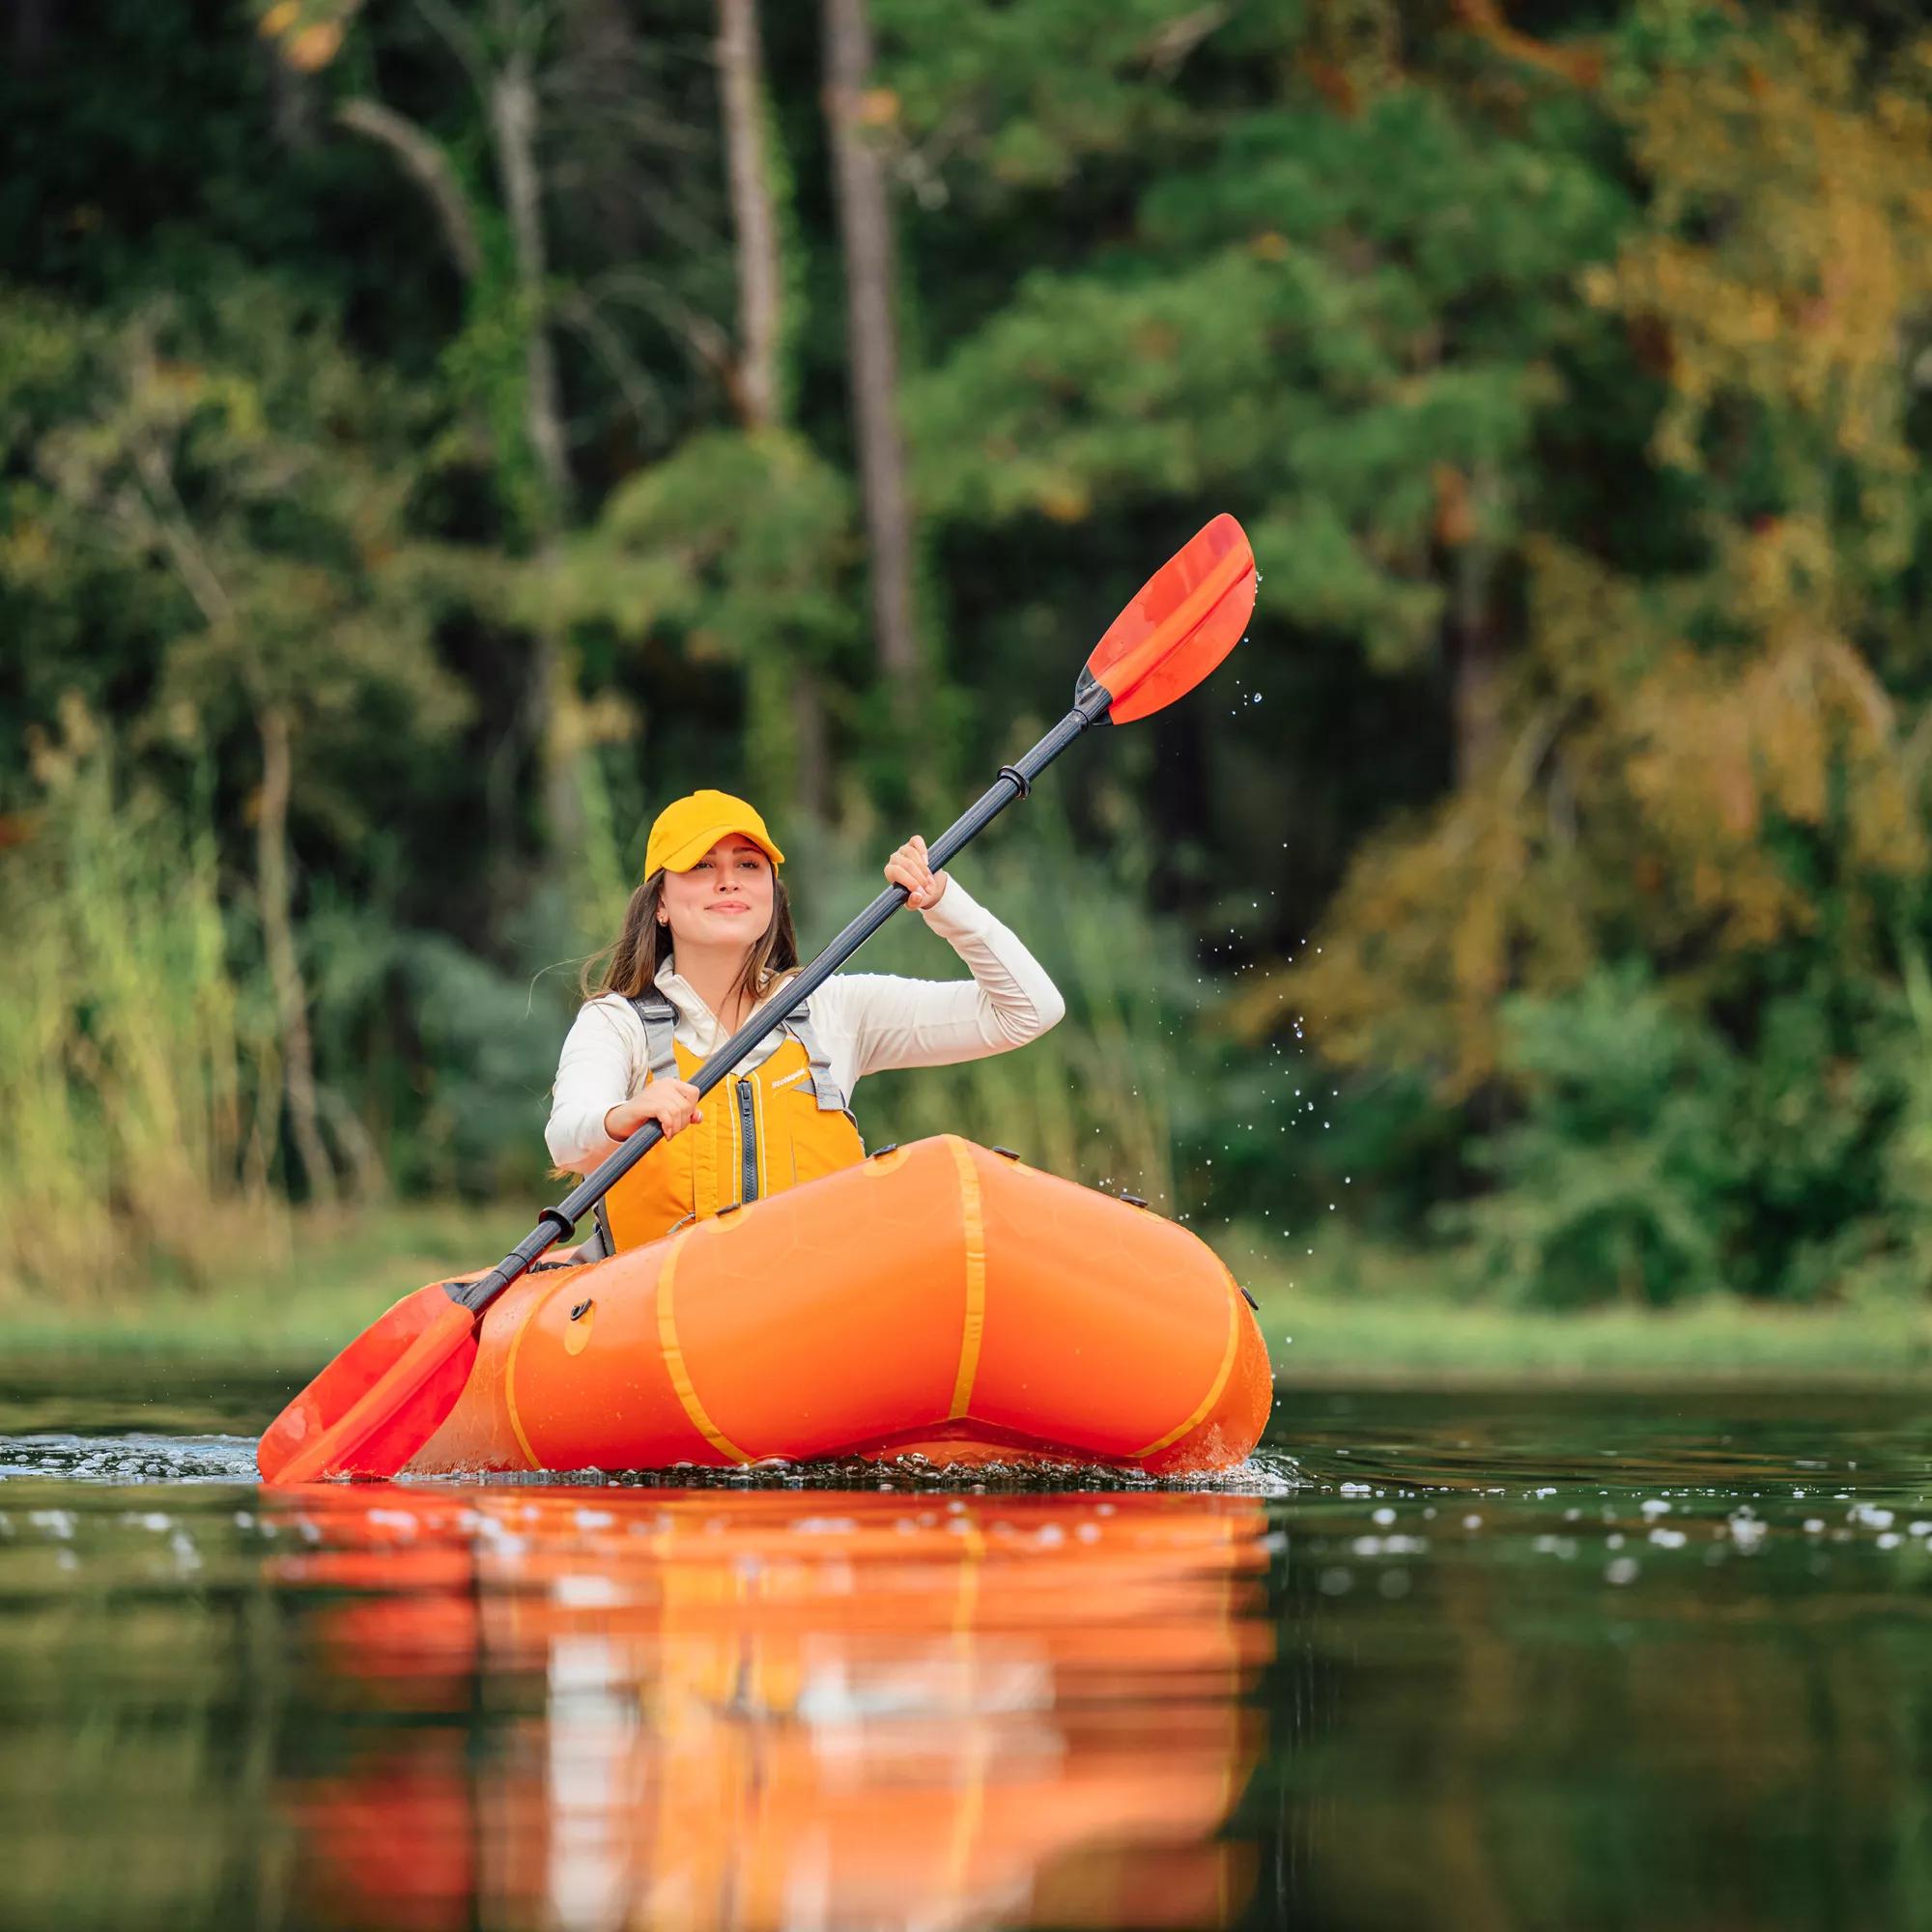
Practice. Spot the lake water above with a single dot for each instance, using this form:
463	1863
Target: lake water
1433	1659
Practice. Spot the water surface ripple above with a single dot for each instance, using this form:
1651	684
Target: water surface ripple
1431	1659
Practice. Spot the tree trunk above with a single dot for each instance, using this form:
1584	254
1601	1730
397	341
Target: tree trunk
742	93
551	692
273	890
864	229
33	33
754	382
513	125
1478	664
291	107
1464	509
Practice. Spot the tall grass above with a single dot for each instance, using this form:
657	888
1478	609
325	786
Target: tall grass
1095	1099
140	1082
128	1138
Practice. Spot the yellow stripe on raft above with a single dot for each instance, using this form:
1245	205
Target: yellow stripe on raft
973	1239
1215	1387
673	1356
510	1386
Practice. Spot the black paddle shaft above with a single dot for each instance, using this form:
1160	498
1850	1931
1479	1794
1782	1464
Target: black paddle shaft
1091	703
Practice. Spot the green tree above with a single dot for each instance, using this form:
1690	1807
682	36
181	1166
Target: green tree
244	484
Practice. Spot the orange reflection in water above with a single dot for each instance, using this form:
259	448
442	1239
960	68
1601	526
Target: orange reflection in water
776	1708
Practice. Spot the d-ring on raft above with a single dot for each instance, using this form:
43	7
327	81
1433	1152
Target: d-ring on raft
940	1298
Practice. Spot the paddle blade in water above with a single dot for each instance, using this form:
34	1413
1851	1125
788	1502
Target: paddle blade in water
381	1399
1191	614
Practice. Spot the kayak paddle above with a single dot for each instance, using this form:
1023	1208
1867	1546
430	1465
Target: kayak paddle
370	1410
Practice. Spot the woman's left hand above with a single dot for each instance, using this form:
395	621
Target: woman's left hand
908	867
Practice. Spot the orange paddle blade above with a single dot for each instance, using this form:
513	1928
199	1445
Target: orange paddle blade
379	1400
1189	614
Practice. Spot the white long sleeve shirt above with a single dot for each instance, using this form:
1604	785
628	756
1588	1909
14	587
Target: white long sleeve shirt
864	1023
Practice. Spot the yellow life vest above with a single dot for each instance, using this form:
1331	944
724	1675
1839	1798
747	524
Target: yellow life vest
784	1123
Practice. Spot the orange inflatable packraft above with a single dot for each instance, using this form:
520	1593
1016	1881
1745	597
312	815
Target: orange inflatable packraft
939	1298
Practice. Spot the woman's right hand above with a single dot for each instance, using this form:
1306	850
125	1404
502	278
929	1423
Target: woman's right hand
671	1103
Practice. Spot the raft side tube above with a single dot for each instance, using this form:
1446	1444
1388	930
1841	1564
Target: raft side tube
937	1297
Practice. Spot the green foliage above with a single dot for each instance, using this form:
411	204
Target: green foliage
456	1048
1618	1182
740	544
737	550
1573	878
1310	318
236	488
487	1047
1030	95
1651	1160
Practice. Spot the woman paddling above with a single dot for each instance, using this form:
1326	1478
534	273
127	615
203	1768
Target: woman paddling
706	940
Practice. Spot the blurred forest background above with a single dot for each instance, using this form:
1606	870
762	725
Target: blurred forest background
433	433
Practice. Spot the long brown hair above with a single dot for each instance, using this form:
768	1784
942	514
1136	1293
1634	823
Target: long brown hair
629	962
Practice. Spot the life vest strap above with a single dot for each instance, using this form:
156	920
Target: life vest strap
658	1017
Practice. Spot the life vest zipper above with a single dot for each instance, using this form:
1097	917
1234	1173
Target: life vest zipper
748	1176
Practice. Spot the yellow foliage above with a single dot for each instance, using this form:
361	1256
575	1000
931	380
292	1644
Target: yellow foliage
1643	778
605	718
310	32
1433	923
313	47
1672	734
1354	49
1788	244
1066	500
1802	733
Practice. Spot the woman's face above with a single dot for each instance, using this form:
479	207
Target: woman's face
724	900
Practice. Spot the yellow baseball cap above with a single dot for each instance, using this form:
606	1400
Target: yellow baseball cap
688	828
